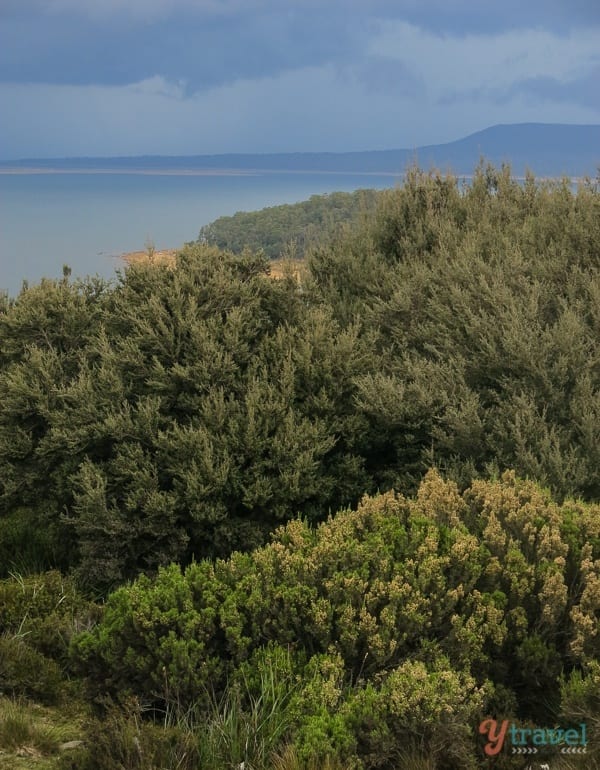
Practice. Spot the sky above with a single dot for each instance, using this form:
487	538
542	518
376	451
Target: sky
184	77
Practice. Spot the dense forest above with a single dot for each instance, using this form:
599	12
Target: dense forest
337	523
291	229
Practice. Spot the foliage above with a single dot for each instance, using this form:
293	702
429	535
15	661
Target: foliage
406	619
45	610
486	301
122	739
251	719
188	411
38	616
208	405
303	224
153	433
580	703
25	671
25	548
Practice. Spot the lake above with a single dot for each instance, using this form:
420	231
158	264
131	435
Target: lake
86	220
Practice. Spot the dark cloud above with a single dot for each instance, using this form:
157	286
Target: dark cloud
266	75
382	74
213	42
584	91
202	51
493	16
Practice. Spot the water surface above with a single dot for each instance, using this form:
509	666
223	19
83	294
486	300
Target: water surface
87	220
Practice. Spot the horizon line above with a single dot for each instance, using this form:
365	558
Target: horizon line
413	149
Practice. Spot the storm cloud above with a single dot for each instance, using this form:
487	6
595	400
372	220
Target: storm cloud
196	76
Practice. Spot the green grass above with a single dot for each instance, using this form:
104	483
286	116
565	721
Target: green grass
240	729
31	735
288	759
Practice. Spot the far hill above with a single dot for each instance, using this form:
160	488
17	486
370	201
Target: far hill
546	149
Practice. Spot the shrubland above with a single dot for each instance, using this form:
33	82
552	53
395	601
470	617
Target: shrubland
220	530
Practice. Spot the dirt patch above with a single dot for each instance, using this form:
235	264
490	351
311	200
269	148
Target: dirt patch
165	256
279	268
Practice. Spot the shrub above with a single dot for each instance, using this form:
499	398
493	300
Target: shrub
46	610
404	621
366	584
580	703
26	545
25	671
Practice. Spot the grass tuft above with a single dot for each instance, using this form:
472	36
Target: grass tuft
27	727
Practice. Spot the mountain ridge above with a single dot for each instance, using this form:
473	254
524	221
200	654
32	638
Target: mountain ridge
547	149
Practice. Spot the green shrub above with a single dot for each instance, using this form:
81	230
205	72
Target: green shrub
399	624
485	299
38	616
580	703
415	708
26	544
186	412
366	584
25	671
46	610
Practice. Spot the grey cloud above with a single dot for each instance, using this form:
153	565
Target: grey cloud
472	14
381	74
203	52
140	9
209	43
583	91
464	16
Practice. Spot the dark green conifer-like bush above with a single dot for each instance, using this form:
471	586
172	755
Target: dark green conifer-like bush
185	413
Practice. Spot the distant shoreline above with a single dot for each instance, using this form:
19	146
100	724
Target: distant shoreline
17	170
550	150
232	172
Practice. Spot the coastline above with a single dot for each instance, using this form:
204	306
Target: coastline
254	172
35	170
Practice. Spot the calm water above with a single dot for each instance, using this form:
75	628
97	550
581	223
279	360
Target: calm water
87	220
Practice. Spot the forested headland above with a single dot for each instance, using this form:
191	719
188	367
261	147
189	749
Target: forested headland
291	229
334	523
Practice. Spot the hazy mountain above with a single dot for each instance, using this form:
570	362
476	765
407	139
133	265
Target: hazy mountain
546	149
